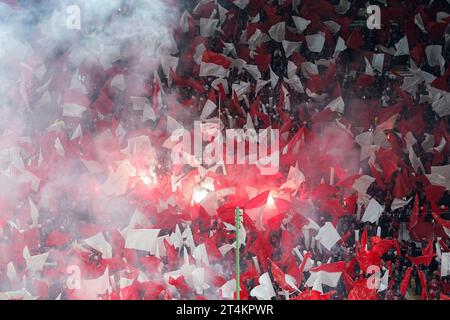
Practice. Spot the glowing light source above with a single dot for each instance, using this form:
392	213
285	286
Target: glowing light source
146	180
270	204
148	177
199	194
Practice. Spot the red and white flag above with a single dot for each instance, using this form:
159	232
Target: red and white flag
214	65
326	274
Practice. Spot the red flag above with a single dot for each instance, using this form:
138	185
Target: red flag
236	104
216	58
442	222
180	284
425	259
287	243
258	201
151	263
387	163
103	104
364	240
381	246
434	193
355	41
405	282
423	283
280	277
57	239
254	111
365	80
274	222
171	253
348	281
414	214
444	297
441	83
190	83
262	249
436	30
156	92
377	176
307	256
442	244
360	291
428	249
314	295
402	186
263	61
213	252
418	53
330	267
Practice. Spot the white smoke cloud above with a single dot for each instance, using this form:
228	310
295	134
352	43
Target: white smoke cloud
40	60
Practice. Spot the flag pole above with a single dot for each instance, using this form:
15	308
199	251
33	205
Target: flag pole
238	272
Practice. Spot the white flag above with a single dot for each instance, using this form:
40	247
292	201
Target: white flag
315	42
363	183
384	282
264	291
208	27
416	163
228	289
253	71
208	109
99	243
241	4
340	45
373	211
317	279
445	264
328	236
142	239
93	288
378	61
184	21
402	47
301	24
278	31
35	263
290	47
74	110
337	105
434	56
